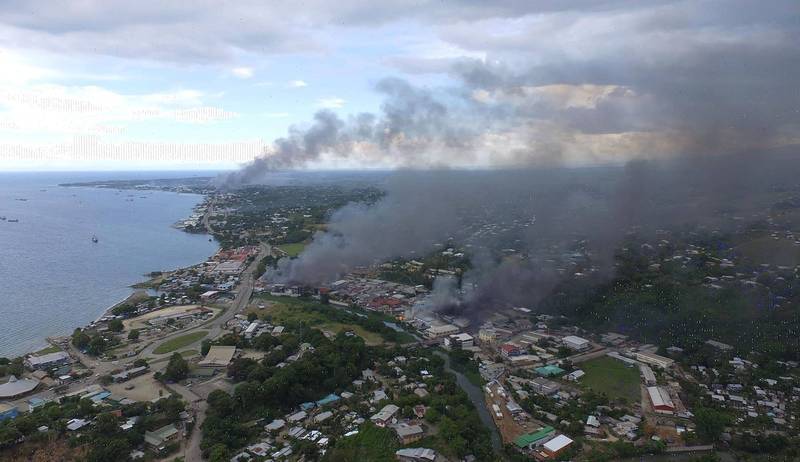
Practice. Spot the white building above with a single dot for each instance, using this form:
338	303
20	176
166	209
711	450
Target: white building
576	343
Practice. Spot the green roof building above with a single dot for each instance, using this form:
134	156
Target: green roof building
523	441
549	371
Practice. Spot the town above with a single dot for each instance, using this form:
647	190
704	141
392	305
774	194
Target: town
217	361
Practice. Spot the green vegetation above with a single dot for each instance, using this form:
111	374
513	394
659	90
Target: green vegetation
292	250
48	350
371	443
300	311
180	342
462	361
177	369
611	377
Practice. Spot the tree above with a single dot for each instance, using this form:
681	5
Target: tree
80	339
115	325
177	368
710	423
133	334
251	317
219	453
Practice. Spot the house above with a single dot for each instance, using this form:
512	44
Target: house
660	399
275	425
159	438
576	343
557	445
408	434
297	417
76	424
323	416
415	455
384	416
719	346
47	361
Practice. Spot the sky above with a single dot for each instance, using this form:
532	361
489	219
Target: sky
110	84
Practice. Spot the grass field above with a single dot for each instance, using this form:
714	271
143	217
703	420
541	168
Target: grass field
371	444
292	250
179	342
284	310
50	349
370	338
612	377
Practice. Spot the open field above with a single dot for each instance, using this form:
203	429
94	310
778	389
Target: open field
292	250
370	338
184	353
612	377
50	349
767	249
139	321
180	342
287	310
145	388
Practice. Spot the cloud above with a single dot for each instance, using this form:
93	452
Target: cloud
331	103
243	72
297	84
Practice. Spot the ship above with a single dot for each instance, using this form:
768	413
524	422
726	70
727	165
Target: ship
13	220
94	239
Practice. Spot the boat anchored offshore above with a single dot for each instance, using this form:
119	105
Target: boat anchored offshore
94	239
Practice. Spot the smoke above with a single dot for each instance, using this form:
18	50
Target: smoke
690	125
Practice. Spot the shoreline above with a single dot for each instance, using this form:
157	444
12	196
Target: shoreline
49	341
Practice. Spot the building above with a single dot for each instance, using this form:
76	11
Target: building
218	356
719	346
576	343
509	349
441	330
408	434
385	415
129	374
557	445
660	399
159	438
59	358
549	371
653	359
458	341
17	387
7	412
415	455
575	375
648	375
487	336
529	440
544	386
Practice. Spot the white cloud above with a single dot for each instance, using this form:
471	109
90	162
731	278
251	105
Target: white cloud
297	83
331	103
243	72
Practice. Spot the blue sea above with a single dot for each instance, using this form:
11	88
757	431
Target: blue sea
53	278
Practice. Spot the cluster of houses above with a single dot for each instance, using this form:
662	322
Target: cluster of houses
334	416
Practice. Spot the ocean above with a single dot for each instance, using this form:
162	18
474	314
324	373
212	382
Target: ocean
53	278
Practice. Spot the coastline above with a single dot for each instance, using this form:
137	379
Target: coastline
136	288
